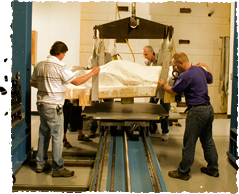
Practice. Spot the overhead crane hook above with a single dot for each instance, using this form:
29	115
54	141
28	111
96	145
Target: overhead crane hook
133	22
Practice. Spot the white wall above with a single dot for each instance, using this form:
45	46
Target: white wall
55	21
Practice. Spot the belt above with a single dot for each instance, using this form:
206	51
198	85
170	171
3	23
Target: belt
192	106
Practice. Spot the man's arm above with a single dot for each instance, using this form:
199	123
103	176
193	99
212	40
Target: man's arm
80	80
166	88
33	84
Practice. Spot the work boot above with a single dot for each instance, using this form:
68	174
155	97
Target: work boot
63	173
175	174
164	136
206	171
92	135
45	168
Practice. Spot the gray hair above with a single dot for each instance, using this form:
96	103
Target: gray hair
149	48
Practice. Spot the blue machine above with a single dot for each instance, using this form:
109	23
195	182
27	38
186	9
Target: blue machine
232	153
21	73
125	159
140	172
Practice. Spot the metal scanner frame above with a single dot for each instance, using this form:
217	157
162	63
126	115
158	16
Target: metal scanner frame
121	29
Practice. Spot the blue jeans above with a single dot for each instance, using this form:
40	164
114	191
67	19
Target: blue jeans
199	125
163	121
51	126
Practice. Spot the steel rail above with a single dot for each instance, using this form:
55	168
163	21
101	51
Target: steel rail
152	169
101	163
113	166
47	188
127	164
95	165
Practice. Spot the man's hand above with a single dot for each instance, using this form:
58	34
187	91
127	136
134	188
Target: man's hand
160	83
166	88
80	80
203	65
96	70
33	84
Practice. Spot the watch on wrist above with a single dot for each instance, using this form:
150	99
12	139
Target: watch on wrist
162	86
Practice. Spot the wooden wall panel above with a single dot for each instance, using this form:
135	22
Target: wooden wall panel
34	47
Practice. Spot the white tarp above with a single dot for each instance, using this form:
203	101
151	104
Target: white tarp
122	73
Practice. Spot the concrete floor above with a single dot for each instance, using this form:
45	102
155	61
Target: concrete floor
167	152
169	156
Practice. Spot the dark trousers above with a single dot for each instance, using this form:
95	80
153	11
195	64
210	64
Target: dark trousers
199	125
72	115
163	121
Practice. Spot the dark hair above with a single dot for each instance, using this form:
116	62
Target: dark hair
57	48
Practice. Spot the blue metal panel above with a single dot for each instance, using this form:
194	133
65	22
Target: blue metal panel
21	47
120	181
139	173
28	56
157	166
21	62
235	77
9	38
232	153
12	159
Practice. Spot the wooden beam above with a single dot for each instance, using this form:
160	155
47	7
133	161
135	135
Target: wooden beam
107	93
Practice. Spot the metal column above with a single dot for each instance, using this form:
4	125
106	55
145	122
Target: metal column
232	153
21	62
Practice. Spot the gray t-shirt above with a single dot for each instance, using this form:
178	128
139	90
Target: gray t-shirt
154	63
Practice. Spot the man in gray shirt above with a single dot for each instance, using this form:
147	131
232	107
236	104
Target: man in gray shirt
50	77
151	60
